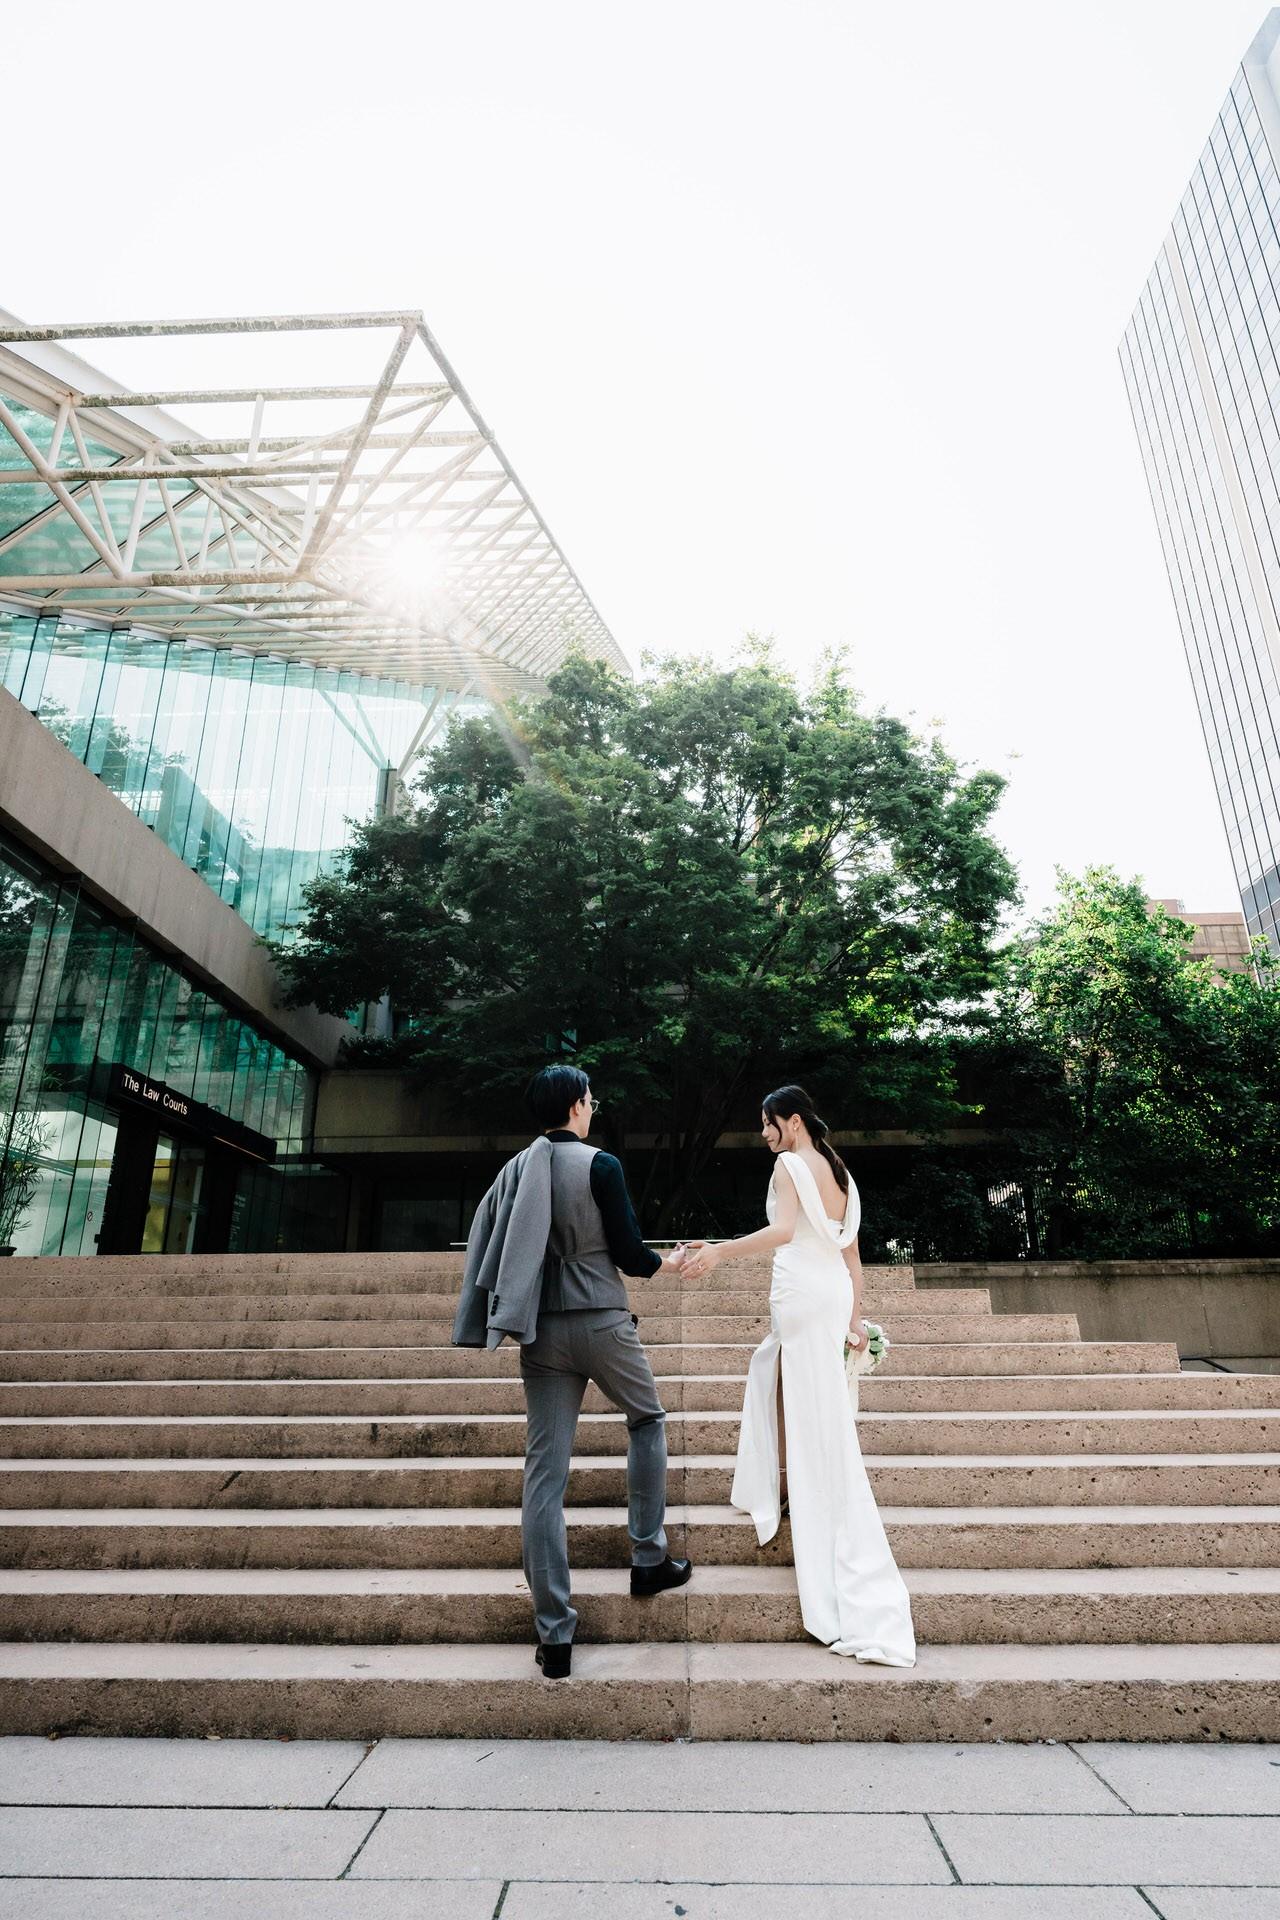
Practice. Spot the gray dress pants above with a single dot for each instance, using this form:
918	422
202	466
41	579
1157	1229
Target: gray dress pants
570	1349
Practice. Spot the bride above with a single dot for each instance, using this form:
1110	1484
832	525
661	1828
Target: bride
797	1418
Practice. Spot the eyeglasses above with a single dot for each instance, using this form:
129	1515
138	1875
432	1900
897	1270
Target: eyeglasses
595	1103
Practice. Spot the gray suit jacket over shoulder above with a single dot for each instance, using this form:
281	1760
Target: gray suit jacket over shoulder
506	1254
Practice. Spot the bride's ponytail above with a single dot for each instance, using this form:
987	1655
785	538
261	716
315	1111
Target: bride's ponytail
787	1103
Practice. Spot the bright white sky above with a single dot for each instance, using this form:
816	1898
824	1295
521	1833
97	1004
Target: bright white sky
794	317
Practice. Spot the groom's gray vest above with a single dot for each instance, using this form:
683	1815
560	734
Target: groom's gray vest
579	1271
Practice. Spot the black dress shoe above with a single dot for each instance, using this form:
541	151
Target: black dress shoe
668	1573
555	1659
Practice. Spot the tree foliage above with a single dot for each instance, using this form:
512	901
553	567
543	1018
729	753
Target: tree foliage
1140	1090
692	884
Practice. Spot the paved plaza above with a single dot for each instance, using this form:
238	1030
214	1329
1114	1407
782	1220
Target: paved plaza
470	1829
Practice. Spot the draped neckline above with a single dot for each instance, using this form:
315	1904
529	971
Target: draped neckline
836	1225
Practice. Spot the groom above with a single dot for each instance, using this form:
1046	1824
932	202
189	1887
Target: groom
548	1245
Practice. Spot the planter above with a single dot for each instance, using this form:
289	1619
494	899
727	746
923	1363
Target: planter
8	1250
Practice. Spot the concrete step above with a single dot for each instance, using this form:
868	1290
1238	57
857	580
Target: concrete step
1235	1430
370	1399
1086	1537
109	1277
905	1326
1012	1480
1020	1606
348	1436
691	1432
435	1309
415	1362
754	1277
376	1399
285	1456
392	1363
1066	1393
730	1691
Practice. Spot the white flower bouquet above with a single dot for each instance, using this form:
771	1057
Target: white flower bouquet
860	1360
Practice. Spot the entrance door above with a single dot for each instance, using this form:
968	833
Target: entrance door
176	1205
168	1193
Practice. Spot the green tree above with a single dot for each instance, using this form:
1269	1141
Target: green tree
1142	1089
22	1168
690	884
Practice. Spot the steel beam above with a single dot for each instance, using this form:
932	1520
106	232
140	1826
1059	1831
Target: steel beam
310	525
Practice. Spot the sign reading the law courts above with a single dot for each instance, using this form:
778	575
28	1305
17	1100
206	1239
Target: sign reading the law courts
181	1112
155	1093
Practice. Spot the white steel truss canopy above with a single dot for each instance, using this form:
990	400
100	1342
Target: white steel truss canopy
369	523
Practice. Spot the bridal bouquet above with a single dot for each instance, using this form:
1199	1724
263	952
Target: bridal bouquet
866	1359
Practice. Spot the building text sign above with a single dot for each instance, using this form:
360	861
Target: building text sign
118	1081
154	1093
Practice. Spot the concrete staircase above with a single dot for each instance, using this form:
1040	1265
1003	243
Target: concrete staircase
263	1495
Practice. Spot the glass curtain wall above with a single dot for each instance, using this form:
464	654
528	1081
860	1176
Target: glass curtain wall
1201	359
79	990
249	767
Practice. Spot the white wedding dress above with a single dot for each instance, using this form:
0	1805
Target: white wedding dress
852	1596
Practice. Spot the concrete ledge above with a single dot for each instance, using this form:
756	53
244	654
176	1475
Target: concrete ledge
367	1110
53	804
1211	1308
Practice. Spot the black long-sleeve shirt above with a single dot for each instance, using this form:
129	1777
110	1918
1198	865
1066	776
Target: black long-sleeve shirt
627	1249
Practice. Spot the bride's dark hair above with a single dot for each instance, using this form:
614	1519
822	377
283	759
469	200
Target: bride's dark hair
786	1103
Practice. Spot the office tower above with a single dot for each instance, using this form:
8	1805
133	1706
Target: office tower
1201	360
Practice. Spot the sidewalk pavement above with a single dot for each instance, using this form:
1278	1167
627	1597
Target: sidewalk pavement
568	1830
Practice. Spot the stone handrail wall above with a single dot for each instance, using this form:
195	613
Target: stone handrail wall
1213	1309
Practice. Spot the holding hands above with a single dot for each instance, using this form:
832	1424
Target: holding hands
700	1257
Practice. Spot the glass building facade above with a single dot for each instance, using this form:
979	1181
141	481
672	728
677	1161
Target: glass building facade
249	768
86	1005
246	618
1201	360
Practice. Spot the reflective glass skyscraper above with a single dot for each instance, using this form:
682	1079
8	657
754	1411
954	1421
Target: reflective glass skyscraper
1201	360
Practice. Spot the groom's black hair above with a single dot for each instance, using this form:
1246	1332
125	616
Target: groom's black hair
553	1092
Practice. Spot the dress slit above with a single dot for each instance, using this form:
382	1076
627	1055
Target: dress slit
780	1427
